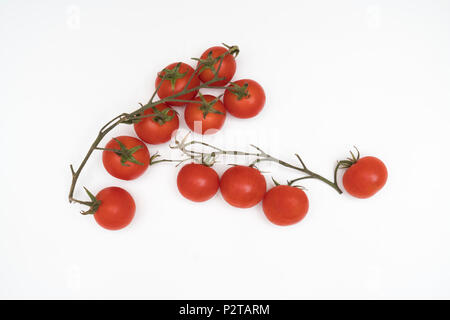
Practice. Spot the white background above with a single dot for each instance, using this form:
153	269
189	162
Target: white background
375	74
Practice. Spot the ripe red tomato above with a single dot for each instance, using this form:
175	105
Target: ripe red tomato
206	117
116	209
209	61
157	129
242	186
365	177
245	99
197	182
285	205
126	157
177	76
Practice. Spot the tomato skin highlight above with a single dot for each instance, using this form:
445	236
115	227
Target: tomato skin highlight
112	161
193	116
227	68
197	182
116	209
166	89
365	178
246	107
151	131
285	205
242	187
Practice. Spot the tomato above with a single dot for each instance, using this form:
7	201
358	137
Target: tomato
157	129
176	77
209	62
126	157
197	182
244	99
206	117
365	177
242	186
116	209
285	205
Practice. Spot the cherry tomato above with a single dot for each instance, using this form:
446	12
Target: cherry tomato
242	187
197	182
116	209
176	76
206	117
209	62
245	99
126	157
365	177
285	205
157	129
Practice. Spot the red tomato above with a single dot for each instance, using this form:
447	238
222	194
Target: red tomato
157	129
209	63
245	99
197	182
178	75
206	117
285	205
242	187
126	157
365	177
116	209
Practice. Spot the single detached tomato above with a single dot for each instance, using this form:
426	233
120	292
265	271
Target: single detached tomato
285	205
158	128
115	209
365	177
126	157
205	116
242	186
174	78
197	182
244	99
209	62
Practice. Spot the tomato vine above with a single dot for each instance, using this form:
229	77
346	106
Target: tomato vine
363	177
130	118
208	158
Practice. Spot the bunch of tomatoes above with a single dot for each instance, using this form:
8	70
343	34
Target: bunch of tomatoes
127	157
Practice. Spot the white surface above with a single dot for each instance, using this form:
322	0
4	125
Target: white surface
375	74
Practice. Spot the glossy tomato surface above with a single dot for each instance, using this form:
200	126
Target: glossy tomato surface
128	170
242	186
285	205
116	209
199	120
155	130
176	85
365	178
197	182
246	106
227	68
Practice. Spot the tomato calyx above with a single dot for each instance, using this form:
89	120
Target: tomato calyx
94	204
162	116
172	75
208	62
208	160
233	50
126	155
348	162
290	183
208	107
239	91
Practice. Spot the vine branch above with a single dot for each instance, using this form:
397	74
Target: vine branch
261	156
129	118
